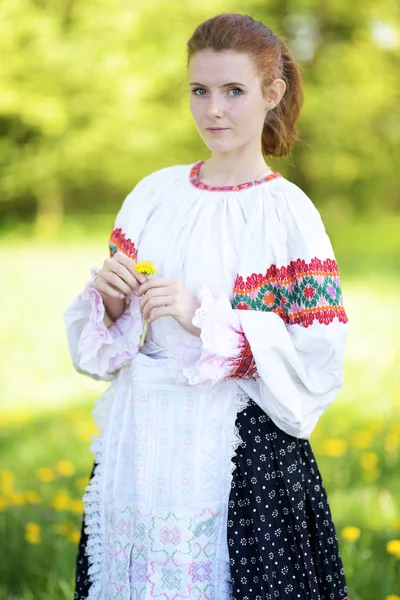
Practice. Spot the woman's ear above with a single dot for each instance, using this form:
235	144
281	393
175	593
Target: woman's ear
275	93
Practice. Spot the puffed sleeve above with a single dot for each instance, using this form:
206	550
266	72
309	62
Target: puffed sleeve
97	350
284	338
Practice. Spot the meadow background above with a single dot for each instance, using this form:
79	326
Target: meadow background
93	97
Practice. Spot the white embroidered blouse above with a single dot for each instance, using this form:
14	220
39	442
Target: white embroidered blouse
274	328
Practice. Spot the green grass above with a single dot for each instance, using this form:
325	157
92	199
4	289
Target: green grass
45	417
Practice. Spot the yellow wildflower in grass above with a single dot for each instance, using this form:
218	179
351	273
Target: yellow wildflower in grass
32	533
74	536
362	439
392	597
82	482
32	497
393	547
86	430
15	498
333	447
65	467
369	460
45	474
61	500
351	534
146	267
65	528
3	504
371	475
76	506
391	442
7	479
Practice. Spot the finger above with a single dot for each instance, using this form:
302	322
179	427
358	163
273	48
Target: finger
161	312
107	290
129	264
118	283
154	283
152	303
124	267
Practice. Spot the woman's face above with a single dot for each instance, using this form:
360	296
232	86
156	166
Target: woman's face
226	99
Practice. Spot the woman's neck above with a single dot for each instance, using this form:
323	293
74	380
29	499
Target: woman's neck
222	169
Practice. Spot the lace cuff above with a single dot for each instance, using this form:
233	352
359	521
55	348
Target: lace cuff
104	349
225	351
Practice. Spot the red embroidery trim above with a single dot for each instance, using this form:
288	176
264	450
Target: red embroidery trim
118	241
299	293
245	365
194	180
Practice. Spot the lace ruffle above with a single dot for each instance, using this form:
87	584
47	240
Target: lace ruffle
104	349
222	339
95	547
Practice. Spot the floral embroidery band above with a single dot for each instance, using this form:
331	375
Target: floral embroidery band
194	180
118	241
244	366
299	293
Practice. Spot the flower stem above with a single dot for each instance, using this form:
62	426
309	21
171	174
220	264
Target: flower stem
146	323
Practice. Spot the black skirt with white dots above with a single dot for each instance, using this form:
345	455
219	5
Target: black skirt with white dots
281	537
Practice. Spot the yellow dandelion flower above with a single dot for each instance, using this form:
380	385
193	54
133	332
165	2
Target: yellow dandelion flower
371	475
86	430
32	533
362	439
145	267
393	547
7	479
74	536
32	497
15	498
369	460
82	482
76	506
45	474
351	534
64	528
391	442
333	447
3	504
61	500
392	597
65	467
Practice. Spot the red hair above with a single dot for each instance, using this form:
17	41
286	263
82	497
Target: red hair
273	60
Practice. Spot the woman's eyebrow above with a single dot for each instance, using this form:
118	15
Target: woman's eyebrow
224	85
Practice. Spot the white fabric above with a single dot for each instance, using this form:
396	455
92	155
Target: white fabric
156	507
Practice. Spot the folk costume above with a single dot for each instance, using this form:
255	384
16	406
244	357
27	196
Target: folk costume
205	485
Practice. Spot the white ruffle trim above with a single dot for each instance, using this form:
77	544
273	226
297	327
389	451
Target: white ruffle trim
221	336
95	547
104	349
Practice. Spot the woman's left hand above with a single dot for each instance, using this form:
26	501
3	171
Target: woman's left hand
171	299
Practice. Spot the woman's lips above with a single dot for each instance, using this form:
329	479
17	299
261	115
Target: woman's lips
217	129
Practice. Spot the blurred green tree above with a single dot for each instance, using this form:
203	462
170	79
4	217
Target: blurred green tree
93	97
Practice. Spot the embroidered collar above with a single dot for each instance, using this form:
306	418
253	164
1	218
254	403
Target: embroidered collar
194	180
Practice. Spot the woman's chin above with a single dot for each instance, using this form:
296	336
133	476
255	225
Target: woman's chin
219	146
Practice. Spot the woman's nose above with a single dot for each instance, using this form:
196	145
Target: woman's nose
214	107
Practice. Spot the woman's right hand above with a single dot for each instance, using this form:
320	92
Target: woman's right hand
116	280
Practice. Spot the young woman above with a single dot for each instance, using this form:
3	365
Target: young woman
205	486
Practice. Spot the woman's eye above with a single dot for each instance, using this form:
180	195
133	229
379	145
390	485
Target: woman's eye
199	92
235	92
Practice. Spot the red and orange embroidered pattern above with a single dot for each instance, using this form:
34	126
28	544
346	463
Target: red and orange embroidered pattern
245	365
300	293
195	180
118	241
